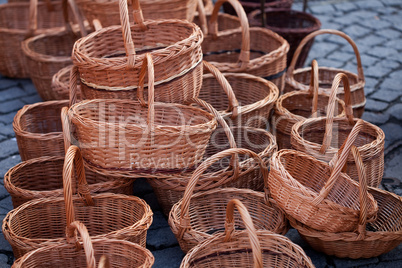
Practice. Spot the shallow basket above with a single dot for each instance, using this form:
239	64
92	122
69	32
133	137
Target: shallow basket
38	129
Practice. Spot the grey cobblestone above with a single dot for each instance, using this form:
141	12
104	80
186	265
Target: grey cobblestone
396	111
7	163
11	106
393	167
356	30
11	93
168	258
9	147
348	263
393	133
375	118
386	95
7	118
375	106
161	238
7	130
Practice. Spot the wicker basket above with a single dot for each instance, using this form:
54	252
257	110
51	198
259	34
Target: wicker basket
290	24
87	253
106	72
255	95
16	27
42	177
61	81
38	129
127	138
316	193
247	248
296	106
257	51
251	5
193	222
106	215
369	239
299	79
321	138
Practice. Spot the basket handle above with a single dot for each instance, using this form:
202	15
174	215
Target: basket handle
185	223
86	241
73	85
313	89
306	39
104	262
248	223
340	160
77	16
233	103
65	123
74	158
331	109
202	17
244	57
148	67
33	15
126	29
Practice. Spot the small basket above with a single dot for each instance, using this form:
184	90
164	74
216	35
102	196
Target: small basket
256	51
195	221
296	106
61	81
71	253
321	137
109	65
369	239
38	129
42	177
315	193
107	215
247	248
299	79
251	5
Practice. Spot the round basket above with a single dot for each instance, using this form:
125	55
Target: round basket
247	248
109	65
38	129
198	216
256	51
321	138
299	79
369	239
23	180
146	137
315	193
292	25
296	106
71	253
107	215
61	81
251	5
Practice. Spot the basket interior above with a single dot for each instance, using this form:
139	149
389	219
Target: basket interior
42	119
225	21
289	19
59	45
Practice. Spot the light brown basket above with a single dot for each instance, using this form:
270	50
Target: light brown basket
38	129
257	51
368	239
71	253
61	81
299	79
109	65
193	222
107	215
127	138
42	177
296	106
19	21
315	193
321	138
247	248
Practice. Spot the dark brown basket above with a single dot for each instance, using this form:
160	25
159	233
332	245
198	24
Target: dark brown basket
251	5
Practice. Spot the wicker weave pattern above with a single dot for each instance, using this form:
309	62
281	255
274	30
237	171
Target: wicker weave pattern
60	83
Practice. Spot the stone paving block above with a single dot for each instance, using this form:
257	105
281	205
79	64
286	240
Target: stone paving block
365	14
7	82
161	238
141	187
9	147
395	254
394	264
168	258
11	93
392	2
390	33
393	133
152	201
375	106
28	86
393	169
159	221
369	4
7	118
8	163
341	56
3	192
372	40
370	86
330	63
7	130
345	6
356	31
386	95
346	263
382	52
321	9
395	43
322	49
391	82
10	106
32	99
375	118
395	111
4	259
377	71
6	205
376	23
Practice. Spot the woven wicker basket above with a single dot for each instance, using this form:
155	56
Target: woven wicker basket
296	106
61	81
71	253
107	215
321	138
315	193
248	248
42	177
299	79
38	130
251	5
255	51
109	65
369	239
198	216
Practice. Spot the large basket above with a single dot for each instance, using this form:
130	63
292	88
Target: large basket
87	253
321	137
251	5
107	215
109	65
19	21
247	248
146	137
296	106
316	193
38	129
199	216
298	79
257	51
43	177
368	239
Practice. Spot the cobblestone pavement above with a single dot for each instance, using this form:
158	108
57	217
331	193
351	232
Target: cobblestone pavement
375	26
